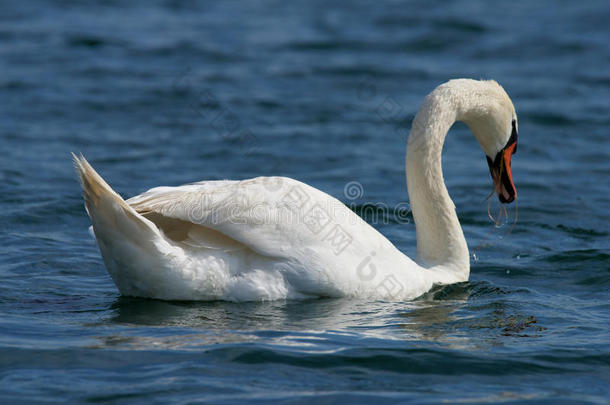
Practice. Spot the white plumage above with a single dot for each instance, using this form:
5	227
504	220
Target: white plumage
274	237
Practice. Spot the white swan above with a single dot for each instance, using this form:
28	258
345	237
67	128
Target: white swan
273	237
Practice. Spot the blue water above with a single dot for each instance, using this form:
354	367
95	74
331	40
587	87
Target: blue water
167	92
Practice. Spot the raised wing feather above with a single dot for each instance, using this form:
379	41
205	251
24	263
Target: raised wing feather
273	216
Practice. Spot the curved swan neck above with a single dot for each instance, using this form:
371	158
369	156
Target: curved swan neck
441	245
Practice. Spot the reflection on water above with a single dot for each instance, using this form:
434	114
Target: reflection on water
433	317
444	316
193	324
277	315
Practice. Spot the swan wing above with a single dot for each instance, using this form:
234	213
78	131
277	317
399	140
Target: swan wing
318	245
274	216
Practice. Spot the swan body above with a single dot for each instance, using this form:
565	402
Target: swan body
274	237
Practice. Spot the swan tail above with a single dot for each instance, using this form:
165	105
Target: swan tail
132	247
104	205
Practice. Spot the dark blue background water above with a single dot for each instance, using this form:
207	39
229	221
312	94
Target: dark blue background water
168	92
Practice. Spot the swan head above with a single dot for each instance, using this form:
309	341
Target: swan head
490	115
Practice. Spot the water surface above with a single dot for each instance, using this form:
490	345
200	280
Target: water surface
165	93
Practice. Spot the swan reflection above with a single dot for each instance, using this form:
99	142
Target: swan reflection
317	324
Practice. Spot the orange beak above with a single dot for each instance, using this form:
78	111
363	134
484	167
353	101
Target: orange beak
502	174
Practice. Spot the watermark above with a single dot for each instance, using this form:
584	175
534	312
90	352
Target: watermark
216	114
386	107
292	205
295	208
353	190
389	286
411	130
323	220
224	122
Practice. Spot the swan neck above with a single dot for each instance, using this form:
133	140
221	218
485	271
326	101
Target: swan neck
441	245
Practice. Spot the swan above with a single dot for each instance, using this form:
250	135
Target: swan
271	238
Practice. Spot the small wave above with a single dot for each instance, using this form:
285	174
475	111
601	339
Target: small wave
449	292
460	26
579	256
583	233
86	41
326	45
396	360
549	119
